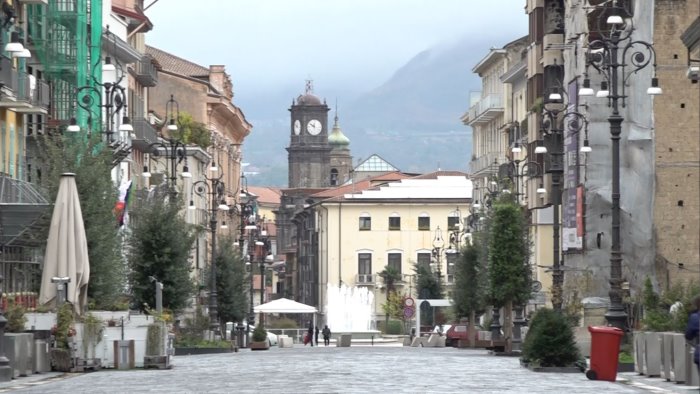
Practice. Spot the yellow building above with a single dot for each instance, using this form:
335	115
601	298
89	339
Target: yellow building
361	232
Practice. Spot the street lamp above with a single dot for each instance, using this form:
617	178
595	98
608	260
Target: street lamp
438	246
555	116
174	149
216	189
616	56
109	97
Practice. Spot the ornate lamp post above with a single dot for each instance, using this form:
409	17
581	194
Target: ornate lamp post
216	190
556	116
617	56
109	97
174	149
438	247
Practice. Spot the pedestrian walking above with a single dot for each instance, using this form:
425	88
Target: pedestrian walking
693	330
326	335
316	335
310	333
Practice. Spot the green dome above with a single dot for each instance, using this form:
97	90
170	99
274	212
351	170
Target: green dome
336	137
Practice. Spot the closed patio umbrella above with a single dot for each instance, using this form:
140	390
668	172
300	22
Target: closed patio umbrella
66	249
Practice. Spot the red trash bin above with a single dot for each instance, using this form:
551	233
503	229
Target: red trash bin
605	351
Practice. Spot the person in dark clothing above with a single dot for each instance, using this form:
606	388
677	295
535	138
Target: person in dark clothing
326	335
692	332
316	335
310	333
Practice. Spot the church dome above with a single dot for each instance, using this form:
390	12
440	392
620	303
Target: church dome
336	136
308	99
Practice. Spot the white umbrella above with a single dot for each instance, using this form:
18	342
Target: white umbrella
66	249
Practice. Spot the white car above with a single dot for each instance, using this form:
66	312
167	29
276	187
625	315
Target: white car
271	338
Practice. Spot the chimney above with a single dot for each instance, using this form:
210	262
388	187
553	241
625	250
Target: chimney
220	80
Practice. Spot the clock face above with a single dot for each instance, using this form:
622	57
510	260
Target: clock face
314	127
297	127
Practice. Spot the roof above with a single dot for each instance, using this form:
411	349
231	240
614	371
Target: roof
266	195
375	163
434	186
364	184
175	64
284	305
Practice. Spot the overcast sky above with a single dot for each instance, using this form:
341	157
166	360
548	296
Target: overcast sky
276	44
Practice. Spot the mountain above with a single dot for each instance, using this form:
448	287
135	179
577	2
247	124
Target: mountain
412	120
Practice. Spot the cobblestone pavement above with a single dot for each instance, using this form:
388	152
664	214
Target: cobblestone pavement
329	370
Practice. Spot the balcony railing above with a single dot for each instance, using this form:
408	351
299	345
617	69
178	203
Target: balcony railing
26	93
144	134
145	72
487	164
364	279
486	109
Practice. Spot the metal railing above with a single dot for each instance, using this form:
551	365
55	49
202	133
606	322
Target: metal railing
144	133
485	163
364	279
489	102
145	72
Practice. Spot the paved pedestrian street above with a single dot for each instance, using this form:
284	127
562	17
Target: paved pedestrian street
331	370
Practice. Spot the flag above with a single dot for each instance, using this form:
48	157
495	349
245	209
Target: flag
121	208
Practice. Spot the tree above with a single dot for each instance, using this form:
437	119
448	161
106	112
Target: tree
550	341
159	246
230	282
190	131
428	287
469	293
390	276
509	269
92	164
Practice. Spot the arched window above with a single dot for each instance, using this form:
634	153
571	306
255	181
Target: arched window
424	222
394	222
334	177
365	221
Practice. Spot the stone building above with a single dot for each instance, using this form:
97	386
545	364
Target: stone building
676	150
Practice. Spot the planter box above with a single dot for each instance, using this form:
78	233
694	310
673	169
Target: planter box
652	354
61	360
667	360
625	367
638	344
679	372
19	349
264	345
159	362
189	351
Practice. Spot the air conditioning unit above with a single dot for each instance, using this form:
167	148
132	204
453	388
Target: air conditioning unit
693	73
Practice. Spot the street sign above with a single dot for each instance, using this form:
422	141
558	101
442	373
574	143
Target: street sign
408	312
409	302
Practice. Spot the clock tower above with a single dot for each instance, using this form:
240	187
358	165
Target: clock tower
309	150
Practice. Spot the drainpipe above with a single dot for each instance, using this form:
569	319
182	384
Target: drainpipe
340	244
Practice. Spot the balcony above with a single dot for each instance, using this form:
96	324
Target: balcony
486	110
364	279
145	72
144	134
21	92
487	164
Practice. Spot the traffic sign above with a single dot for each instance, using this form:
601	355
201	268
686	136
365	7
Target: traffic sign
408	312
536	286
409	302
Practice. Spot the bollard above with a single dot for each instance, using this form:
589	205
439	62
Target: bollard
372	340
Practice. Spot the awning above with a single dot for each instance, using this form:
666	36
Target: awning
284	305
21	205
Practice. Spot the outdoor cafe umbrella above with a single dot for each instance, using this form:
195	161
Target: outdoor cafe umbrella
66	249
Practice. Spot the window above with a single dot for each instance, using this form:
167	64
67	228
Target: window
424	222
364	263
394	222
394	261
365	222
452	222
334	177
423	259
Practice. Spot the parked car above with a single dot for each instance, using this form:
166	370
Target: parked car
271	338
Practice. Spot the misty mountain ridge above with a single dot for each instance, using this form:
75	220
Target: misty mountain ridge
412	120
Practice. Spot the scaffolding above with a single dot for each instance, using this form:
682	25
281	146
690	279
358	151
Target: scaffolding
67	37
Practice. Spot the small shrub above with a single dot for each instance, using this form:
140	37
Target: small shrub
550	341
259	334
15	317
394	327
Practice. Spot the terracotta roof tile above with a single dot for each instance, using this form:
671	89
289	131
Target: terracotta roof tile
266	195
361	185
175	64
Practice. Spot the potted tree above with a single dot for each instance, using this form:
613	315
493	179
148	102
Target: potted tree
63	332
260	341
550	345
